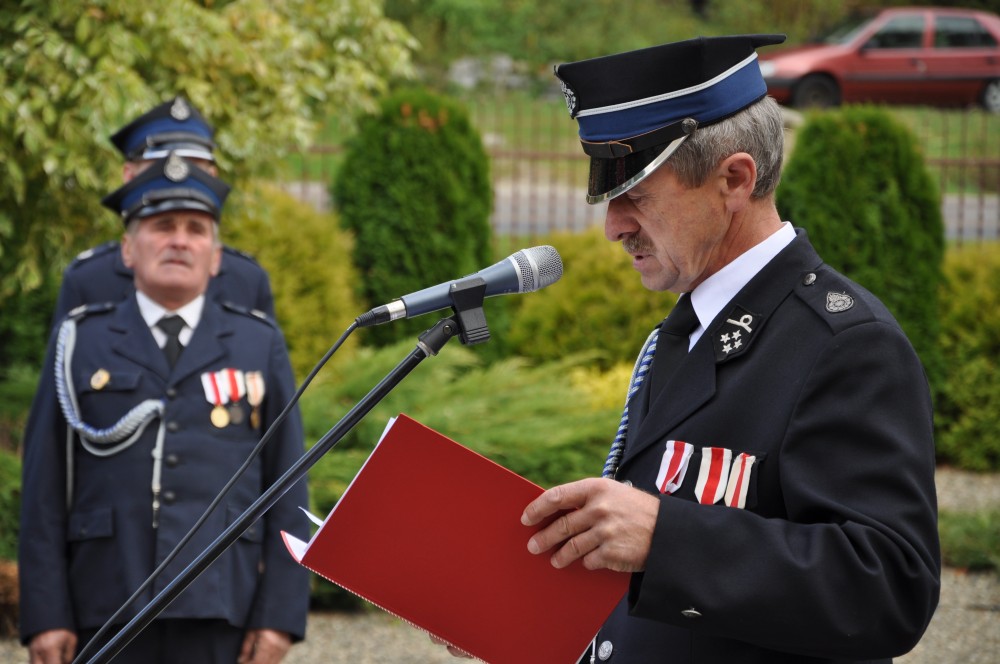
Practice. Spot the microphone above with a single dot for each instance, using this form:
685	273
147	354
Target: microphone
522	272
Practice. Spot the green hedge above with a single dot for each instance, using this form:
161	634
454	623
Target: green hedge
414	188
599	305
307	256
857	183
967	412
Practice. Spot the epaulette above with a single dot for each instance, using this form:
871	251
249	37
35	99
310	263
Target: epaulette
95	252
237	253
252	313
835	298
84	310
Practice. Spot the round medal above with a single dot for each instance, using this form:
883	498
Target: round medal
100	379
255	418
220	417
235	413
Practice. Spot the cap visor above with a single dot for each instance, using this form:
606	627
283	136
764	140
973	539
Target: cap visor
612	177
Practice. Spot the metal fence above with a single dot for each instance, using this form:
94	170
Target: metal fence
539	172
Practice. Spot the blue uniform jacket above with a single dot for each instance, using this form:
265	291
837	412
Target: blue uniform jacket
79	564
834	556
99	275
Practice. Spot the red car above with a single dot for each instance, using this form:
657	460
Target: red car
908	55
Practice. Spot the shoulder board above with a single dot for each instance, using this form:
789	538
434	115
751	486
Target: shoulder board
236	253
95	252
252	313
85	310
835	298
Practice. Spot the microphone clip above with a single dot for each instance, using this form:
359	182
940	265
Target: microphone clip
467	298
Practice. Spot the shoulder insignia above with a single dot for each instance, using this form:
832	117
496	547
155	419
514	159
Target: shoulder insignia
85	310
252	313
734	335
99	250
233	251
838	302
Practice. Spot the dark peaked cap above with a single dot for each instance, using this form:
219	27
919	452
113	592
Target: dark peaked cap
171	183
636	108
173	126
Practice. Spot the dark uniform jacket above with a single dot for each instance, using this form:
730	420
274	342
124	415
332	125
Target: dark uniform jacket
79	564
834	556
98	275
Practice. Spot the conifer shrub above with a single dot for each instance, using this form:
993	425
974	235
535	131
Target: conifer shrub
967	413
414	189
599	305
858	184
307	256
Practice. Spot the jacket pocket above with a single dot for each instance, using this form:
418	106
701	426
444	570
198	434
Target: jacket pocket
90	525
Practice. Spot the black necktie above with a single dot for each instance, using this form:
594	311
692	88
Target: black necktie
172	326
672	344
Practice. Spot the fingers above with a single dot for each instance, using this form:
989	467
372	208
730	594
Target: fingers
265	646
607	526
56	646
563	497
455	652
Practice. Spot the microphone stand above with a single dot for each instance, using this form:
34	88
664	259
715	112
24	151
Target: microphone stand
467	298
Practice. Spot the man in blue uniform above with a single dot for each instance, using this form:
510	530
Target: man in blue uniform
146	408
771	489
98	274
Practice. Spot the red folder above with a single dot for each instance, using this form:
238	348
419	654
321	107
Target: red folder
430	531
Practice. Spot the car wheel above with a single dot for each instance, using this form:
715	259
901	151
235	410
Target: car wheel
816	91
991	96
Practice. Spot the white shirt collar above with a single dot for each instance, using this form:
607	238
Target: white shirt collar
152	312
718	290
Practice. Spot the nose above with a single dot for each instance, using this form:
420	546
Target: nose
619	222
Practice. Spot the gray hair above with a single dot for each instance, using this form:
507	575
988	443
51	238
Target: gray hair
757	130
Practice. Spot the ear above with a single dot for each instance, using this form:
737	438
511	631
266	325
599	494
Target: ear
738	173
126	249
216	260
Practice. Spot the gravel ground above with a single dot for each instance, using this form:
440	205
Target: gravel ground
965	629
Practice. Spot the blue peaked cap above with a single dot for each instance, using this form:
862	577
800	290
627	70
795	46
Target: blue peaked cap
173	126
635	109
170	183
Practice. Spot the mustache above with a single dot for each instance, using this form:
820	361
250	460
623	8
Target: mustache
637	244
174	256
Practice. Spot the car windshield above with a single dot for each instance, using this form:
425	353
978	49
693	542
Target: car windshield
843	31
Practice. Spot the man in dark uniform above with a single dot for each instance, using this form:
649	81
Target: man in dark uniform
771	490
146	408
98	274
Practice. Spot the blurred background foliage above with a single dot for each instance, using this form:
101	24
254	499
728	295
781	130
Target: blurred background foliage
268	74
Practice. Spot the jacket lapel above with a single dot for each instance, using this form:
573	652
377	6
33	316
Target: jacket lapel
135	341
206	345
694	383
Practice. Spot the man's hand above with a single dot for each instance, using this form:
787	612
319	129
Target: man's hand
607	524
55	646
264	646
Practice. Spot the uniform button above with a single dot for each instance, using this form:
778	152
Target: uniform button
172	426
171	392
172	460
809	279
691	613
169	497
604	651
627	482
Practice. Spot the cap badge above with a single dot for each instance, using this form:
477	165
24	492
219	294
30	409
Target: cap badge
180	111
176	169
838	302
570	98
